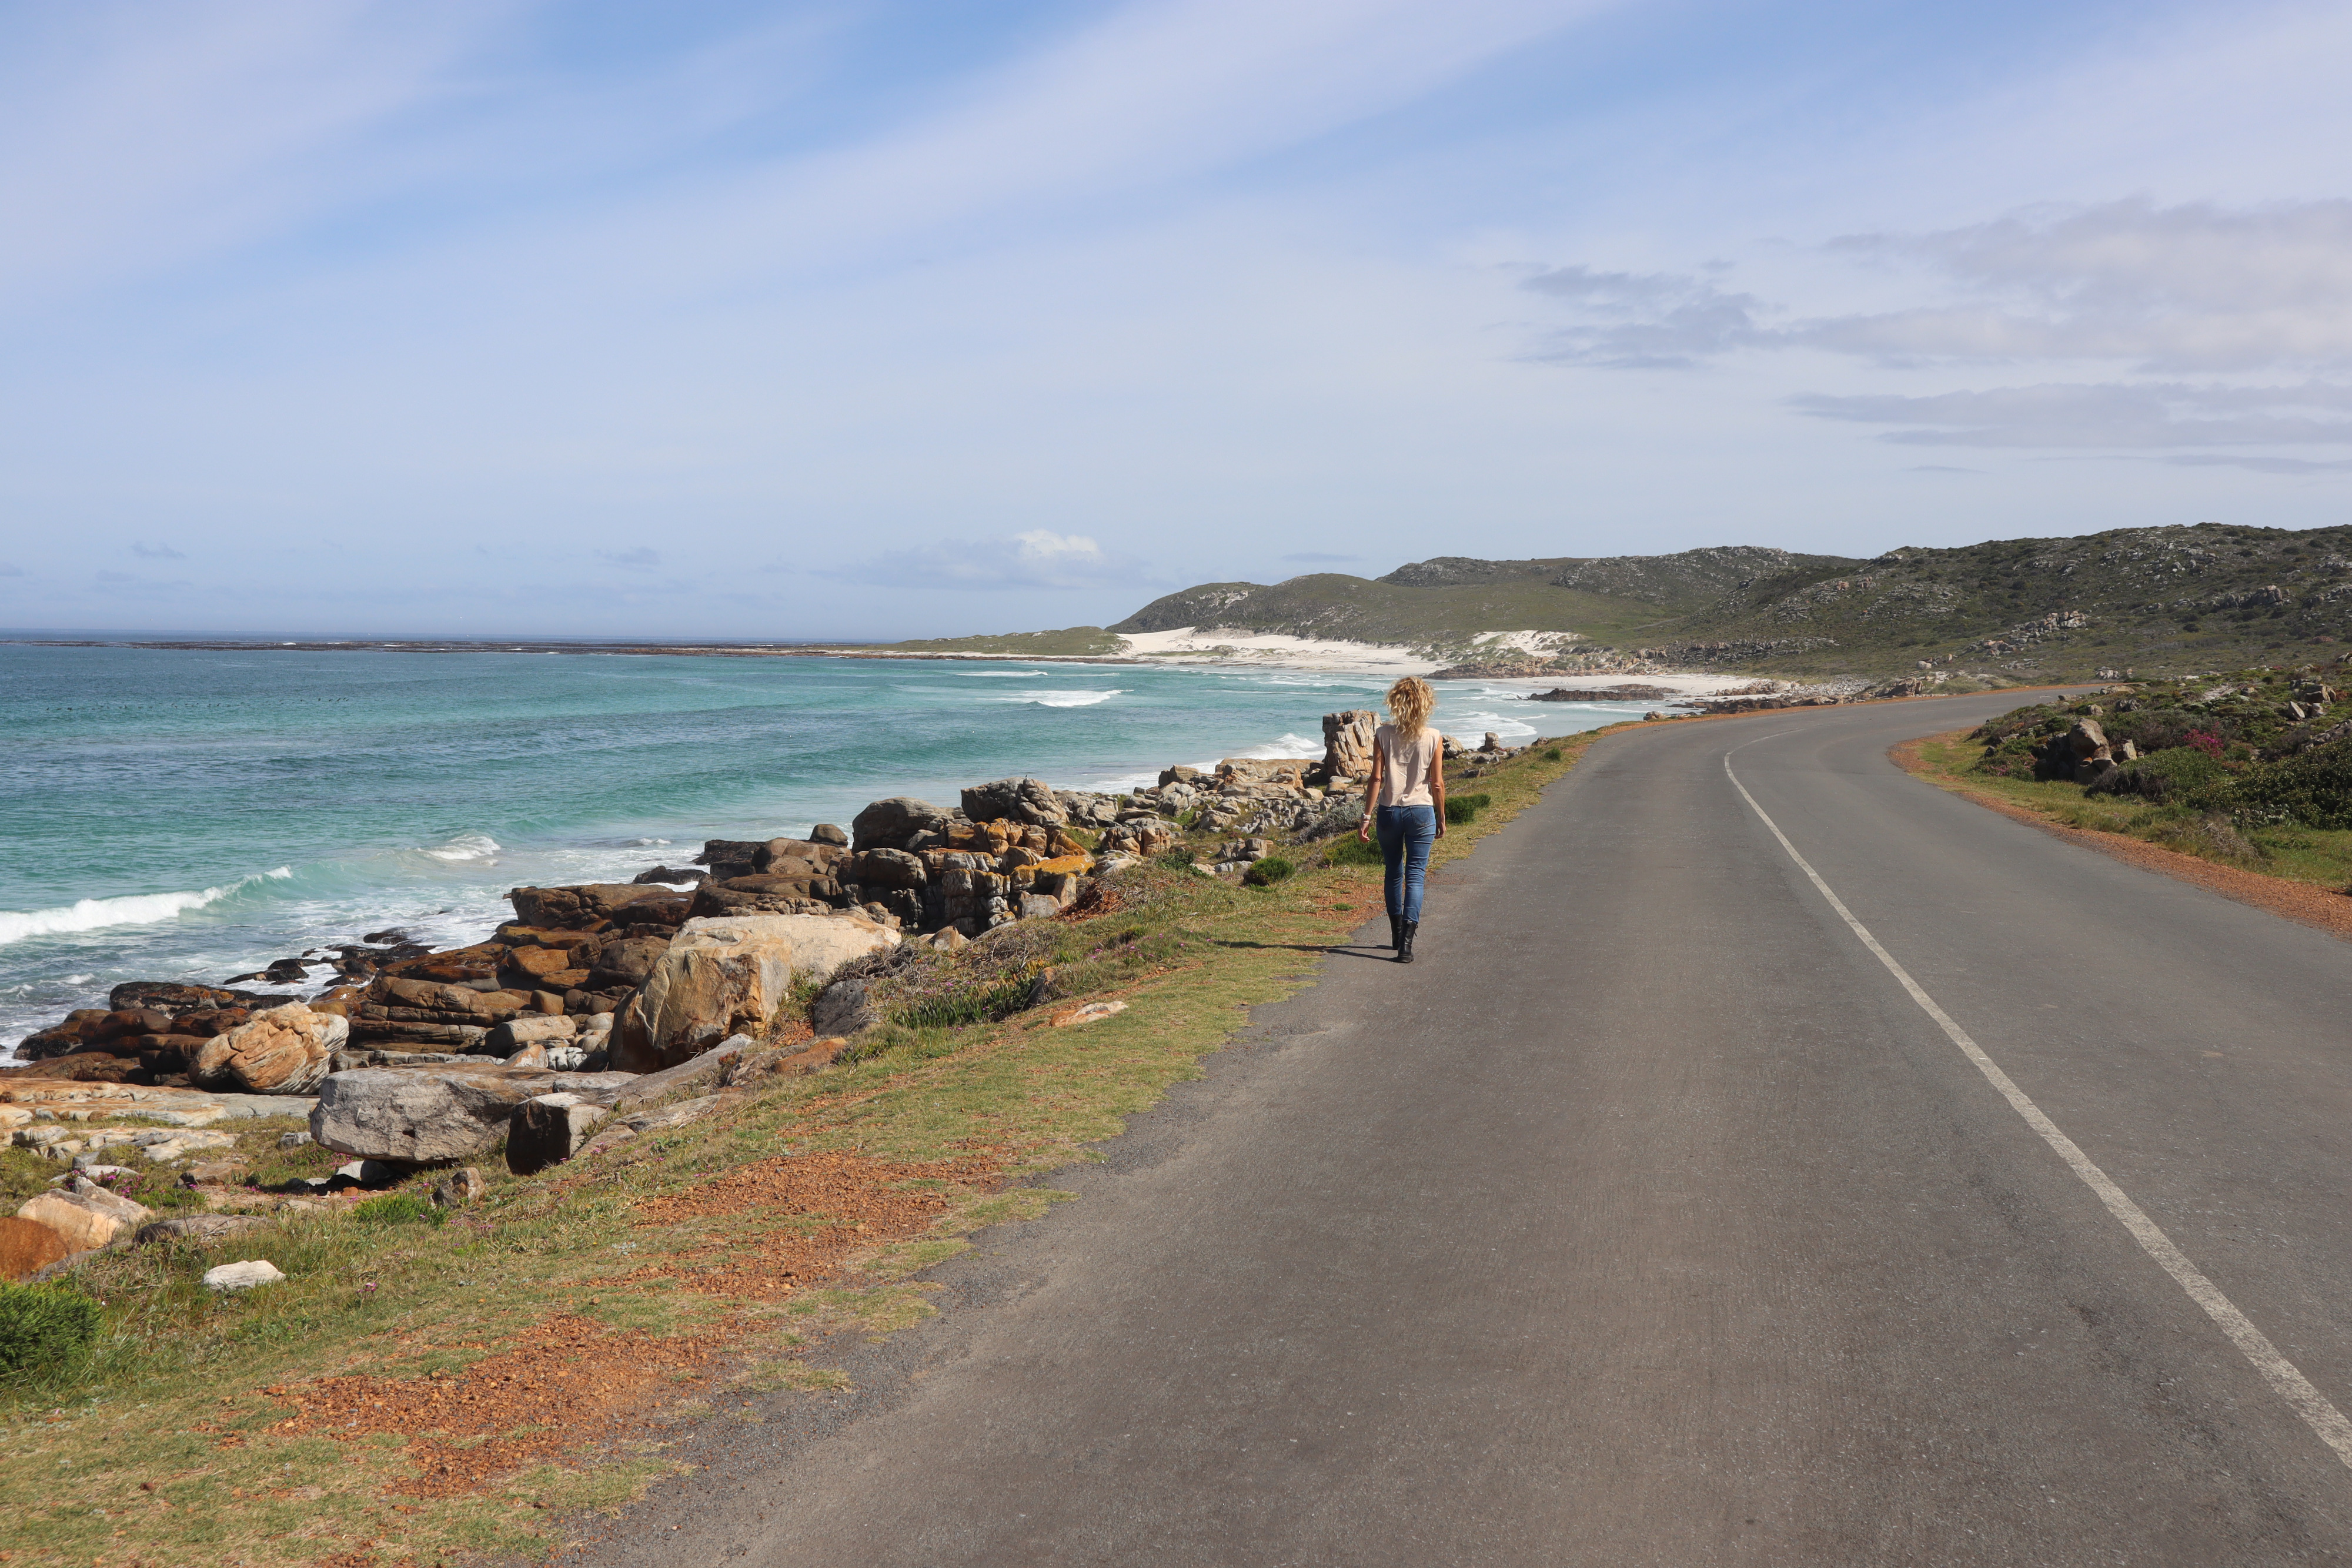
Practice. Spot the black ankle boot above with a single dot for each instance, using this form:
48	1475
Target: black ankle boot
1404	943
1396	930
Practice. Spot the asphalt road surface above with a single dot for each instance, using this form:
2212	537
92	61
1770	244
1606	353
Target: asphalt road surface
1652	1219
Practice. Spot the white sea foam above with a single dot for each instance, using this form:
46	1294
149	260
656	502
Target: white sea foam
1285	745
132	909
1470	728
1060	699
1000	674
466	847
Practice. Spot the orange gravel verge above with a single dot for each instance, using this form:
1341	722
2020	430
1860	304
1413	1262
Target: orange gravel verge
842	1204
2305	903
571	1382
574	1382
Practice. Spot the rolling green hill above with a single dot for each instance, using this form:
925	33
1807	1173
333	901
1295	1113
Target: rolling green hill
2159	599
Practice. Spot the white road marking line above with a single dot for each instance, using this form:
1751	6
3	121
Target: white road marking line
2288	1383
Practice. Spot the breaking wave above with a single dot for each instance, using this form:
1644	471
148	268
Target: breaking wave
466	847
131	909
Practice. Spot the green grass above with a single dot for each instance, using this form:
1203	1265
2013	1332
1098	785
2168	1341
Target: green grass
44	1327
160	1441
409	1208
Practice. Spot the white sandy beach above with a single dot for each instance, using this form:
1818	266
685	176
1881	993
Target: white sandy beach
1226	645
1216	645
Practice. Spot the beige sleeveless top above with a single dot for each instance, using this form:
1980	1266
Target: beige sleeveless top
1406	765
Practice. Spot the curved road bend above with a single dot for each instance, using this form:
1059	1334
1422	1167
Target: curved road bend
1651	1219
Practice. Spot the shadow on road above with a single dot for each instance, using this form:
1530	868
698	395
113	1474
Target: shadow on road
1379	952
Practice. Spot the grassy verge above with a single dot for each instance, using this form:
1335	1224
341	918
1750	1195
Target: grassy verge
427	1388
2284	851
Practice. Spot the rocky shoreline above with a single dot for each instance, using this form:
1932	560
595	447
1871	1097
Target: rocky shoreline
583	1019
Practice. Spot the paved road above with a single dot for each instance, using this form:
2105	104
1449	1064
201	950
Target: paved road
1649	1219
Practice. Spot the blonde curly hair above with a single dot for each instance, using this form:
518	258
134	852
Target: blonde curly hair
1410	701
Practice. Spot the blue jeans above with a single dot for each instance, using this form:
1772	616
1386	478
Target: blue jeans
1405	833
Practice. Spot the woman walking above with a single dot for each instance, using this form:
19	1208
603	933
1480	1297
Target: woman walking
1404	801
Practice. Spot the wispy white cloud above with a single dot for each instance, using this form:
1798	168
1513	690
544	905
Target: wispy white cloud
2288	466
2197	287
2127	414
146	551
641	558
2127	284
1038	557
135	138
1656	321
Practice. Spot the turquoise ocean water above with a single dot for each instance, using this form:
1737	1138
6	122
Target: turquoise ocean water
172	814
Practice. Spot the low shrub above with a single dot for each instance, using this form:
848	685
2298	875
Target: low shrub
2161	729
2181	775
1353	850
42	1325
399	1209
1464	809
1268	872
991	980
1551	754
2313	788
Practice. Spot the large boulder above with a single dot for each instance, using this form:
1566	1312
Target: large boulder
528	1030
2085	745
466	1002
626	962
1028	800
888	824
548	1129
728	974
87	1218
1348	743
796	857
280	1050
429	1115
572	908
888	868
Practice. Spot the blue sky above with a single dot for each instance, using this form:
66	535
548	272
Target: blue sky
890	320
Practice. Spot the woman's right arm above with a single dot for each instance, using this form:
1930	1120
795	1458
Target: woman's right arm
1371	793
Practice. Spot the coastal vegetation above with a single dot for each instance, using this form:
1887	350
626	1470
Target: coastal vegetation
1071	641
2251	770
2155	602
480	1367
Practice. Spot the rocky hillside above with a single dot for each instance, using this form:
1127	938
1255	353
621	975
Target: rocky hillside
2158	601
